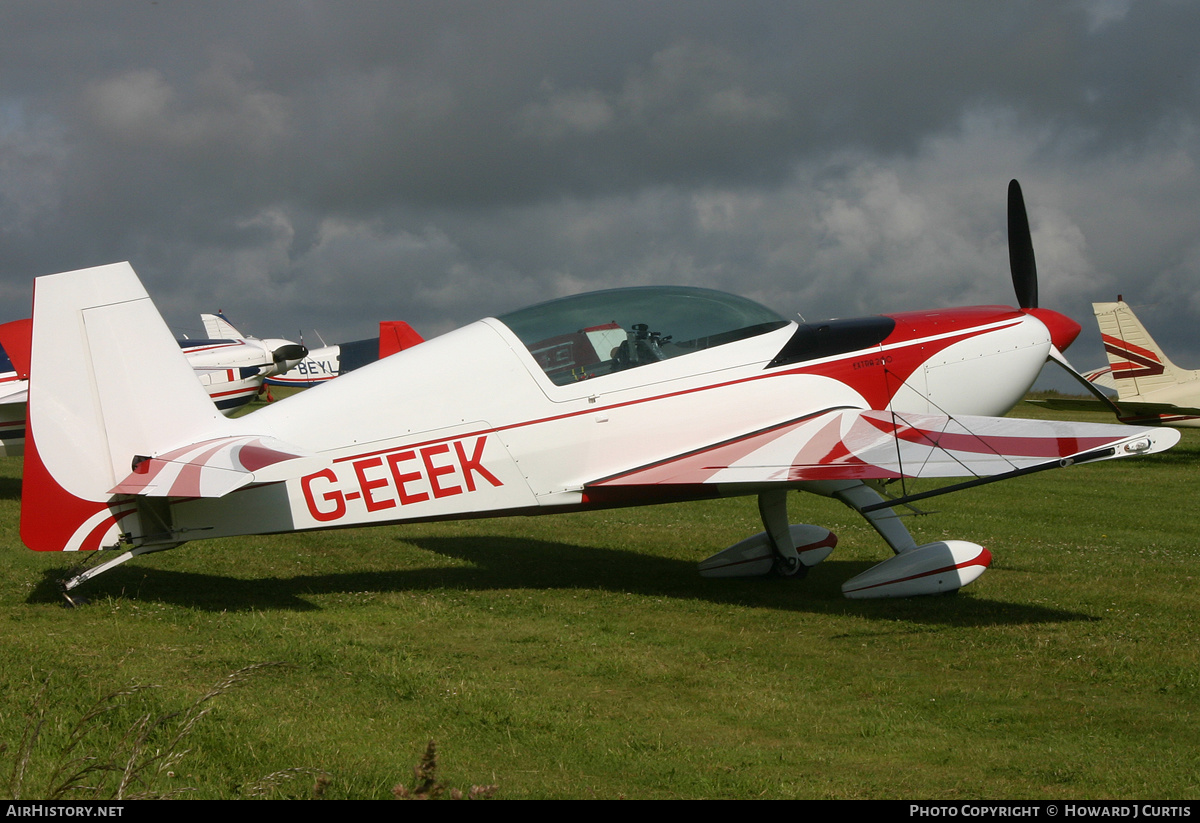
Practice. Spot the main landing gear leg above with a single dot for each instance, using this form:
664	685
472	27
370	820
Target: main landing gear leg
932	568
784	549
885	521
772	508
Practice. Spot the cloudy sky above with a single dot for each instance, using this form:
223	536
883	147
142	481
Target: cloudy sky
326	165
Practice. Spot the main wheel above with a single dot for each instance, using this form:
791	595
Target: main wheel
789	568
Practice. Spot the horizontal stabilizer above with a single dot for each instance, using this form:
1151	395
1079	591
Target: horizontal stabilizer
213	468
855	444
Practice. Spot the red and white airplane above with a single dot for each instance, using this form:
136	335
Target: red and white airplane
616	398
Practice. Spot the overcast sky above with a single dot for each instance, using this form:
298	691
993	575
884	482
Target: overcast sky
326	165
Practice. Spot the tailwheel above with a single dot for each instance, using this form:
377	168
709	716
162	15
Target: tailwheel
70	602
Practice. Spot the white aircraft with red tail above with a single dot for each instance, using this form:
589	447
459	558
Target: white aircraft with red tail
616	398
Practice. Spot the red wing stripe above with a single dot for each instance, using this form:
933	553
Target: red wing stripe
1007	445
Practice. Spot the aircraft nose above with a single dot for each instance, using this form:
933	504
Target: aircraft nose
1063	330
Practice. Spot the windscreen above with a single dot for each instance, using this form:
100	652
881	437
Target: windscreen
590	335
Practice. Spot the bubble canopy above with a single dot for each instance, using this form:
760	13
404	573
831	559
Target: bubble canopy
589	335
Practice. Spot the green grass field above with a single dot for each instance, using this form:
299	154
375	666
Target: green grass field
581	655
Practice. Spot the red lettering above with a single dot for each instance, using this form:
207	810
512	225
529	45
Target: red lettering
394	461
339	502
475	464
360	469
432	472
430	478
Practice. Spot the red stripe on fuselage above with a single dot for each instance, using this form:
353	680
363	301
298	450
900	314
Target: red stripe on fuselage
907	347
249	390
198	348
917	337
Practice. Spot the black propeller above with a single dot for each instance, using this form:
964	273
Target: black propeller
1024	275
1020	249
290	351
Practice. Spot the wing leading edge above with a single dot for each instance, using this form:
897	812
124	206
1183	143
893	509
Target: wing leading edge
856	444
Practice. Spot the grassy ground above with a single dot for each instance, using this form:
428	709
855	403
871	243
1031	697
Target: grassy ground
582	656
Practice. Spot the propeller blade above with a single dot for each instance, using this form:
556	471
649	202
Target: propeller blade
1020	249
1059	358
292	351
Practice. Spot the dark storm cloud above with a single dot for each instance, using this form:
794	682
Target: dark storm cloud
333	164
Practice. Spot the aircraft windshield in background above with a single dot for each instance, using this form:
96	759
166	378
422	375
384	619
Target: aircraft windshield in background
618	398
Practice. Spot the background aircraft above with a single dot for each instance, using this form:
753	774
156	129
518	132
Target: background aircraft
14	393
232	367
327	362
231	370
617	398
1151	390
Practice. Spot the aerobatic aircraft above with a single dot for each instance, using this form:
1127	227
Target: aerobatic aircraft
614	398
1151	390
327	362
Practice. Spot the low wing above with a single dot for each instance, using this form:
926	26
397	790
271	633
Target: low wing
856	444
1131	409
212	468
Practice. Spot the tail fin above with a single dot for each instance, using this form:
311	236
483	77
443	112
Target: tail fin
15	339
1139	365
14	385
108	382
217	327
396	335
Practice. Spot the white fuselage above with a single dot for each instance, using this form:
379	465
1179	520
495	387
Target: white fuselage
469	422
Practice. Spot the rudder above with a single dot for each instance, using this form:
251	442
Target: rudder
1139	365
107	382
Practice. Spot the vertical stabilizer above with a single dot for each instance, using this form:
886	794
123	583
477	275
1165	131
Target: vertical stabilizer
396	335
218	328
108	382
1139	365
